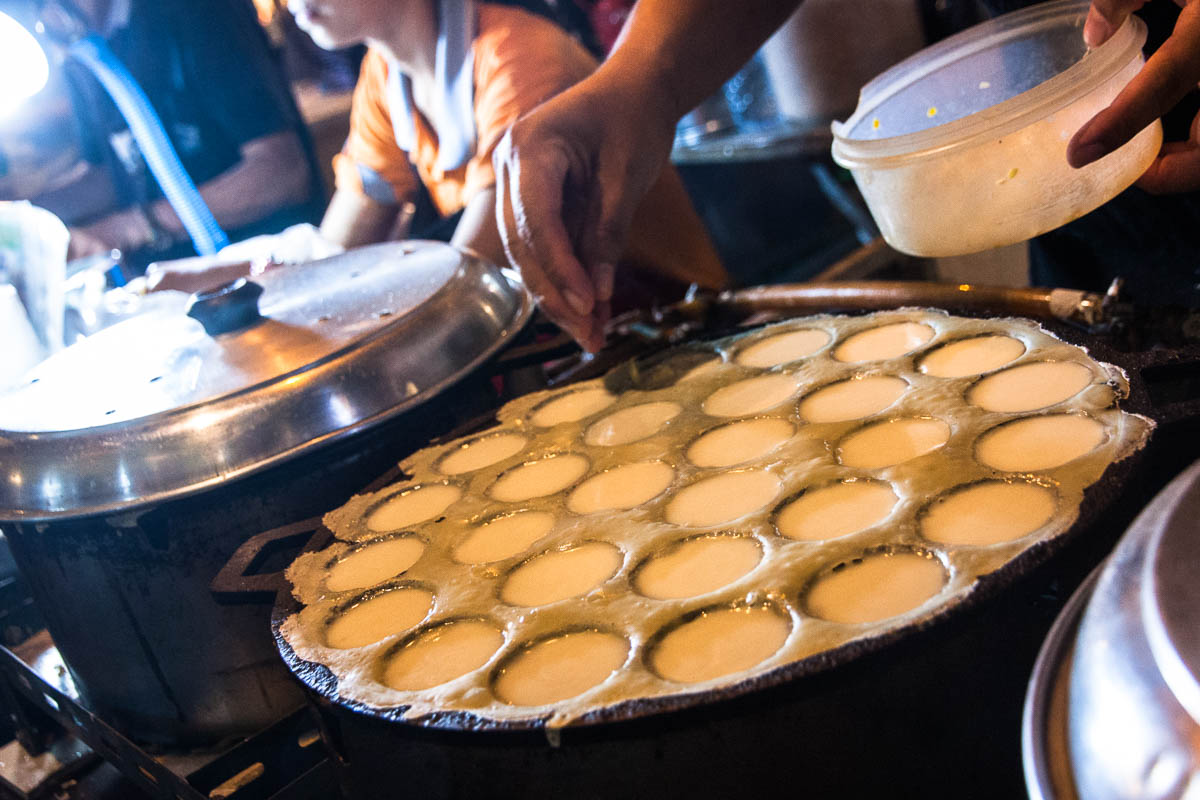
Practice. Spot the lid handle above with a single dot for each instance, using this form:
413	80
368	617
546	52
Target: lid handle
229	307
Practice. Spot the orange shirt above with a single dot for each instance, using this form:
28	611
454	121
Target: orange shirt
520	60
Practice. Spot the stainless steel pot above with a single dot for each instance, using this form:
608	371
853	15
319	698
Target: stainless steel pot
136	462
1134	706
1113	710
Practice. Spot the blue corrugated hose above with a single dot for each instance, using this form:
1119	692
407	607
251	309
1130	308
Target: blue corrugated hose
147	129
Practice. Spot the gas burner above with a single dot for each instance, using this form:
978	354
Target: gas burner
285	760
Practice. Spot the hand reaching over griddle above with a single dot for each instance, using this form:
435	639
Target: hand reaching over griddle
1169	74
571	176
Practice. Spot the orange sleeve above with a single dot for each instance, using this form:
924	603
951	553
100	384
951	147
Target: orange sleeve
371	144
521	60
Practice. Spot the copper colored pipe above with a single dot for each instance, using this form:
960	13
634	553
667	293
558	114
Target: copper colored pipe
1065	304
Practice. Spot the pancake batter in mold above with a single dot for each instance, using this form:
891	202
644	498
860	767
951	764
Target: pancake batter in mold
720	511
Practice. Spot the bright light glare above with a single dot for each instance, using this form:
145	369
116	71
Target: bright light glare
22	63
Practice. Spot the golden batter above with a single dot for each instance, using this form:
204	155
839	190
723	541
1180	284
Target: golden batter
755	501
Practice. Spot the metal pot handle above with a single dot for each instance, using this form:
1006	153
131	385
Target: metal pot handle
238	582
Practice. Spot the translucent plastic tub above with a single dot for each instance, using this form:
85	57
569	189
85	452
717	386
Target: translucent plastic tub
962	147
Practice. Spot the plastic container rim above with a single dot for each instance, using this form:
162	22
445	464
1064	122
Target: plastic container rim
1001	119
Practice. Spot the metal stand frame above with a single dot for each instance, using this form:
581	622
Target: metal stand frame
286	761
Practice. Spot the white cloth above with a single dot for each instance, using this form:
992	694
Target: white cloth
454	70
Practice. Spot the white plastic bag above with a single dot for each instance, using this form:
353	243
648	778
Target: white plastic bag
295	245
33	258
20	350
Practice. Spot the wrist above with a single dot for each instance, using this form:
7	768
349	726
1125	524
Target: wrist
155	237
126	231
644	81
622	88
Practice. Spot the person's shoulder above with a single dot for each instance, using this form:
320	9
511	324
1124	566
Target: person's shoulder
521	60
509	34
369	110
370	88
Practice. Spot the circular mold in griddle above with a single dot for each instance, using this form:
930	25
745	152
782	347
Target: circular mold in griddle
412	506
836	509
697	565
719	641
664	369
377	615
751	396
885	444
560	666
439	654
880	584
974	356
545	476
482	452
503	536
1032	444
631	424
1030	386
571	406
884	342
988	512
561	574
373	562
621	488
783	348
701	370
722	499
854	398
739	442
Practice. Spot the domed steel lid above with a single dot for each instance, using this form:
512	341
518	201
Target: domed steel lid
1170	590
167	404
1132	724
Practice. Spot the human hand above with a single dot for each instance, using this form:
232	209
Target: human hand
569	177
84	242
122	230
1170	73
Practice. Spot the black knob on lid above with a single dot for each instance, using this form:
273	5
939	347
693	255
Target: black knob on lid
227	308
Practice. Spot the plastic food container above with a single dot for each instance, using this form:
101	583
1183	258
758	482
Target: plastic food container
962	147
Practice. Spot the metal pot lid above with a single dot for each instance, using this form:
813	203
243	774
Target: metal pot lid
1170	589
1129	734
157	406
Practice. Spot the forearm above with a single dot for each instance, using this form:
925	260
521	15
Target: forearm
273	173
128	230
477	230
681	51
353	219
571	174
